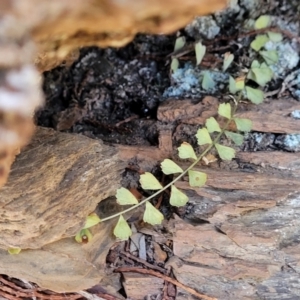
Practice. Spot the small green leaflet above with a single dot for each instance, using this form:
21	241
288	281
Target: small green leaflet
243	124
122	230
200	52
203	137
178	198
207	82
255	64
212	125
225	153
224	110
174	65
261	75
254	95
91	220
186	151
259	42
125	197
275	36
240	83
232	85
179	43
228	59
197	179
271	57
235	137
84	236
14	251
152	215
262	22
169	167
149	182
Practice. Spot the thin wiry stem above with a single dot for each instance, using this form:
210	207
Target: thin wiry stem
179	176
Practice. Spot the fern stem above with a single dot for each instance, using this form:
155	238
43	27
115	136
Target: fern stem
179	176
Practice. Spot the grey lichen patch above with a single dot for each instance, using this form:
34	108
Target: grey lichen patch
289	142
296	114
187	82
203	27
288	54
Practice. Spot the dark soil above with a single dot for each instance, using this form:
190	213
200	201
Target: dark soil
110	94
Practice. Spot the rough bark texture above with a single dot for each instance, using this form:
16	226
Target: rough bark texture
270	116
247	248
55	183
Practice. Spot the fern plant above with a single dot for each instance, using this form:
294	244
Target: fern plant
196	179
240	89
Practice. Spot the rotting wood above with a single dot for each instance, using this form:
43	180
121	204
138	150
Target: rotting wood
185	110
137	286
284	161
248	247
271	116
55	183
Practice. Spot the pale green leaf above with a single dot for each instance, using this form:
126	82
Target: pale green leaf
275	36
197	179
225	153
200	52
125	197
203	137
179	43
271	57
174	65
186	151
224	110
240	83
169	167
243	124
152	215
251	75
261	75
15	250
228	59
178	198
255	64
122	230
237	138
212	125
91	220
84	236
207	82
254	95
262	22
259	42
149	182
232	85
